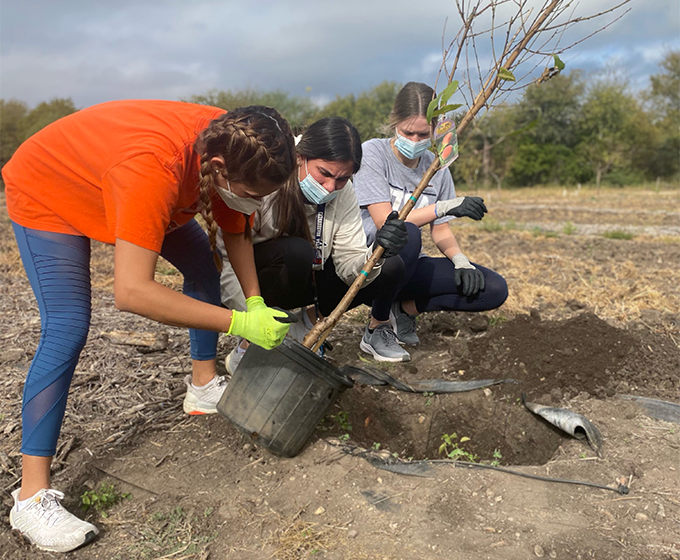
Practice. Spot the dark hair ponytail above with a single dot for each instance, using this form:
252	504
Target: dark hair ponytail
330	139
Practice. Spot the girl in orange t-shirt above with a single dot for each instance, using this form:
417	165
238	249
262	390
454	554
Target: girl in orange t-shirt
134	174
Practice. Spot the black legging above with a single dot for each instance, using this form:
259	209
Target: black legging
429	281
284	271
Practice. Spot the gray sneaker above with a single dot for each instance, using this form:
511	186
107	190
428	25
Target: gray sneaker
403	324
383	345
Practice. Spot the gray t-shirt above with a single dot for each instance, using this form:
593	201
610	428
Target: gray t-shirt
383	178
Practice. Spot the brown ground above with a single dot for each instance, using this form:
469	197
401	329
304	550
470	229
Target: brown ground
590	318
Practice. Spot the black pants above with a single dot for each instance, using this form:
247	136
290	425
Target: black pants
284	270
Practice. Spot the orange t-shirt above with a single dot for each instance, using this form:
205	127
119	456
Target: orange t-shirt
124	169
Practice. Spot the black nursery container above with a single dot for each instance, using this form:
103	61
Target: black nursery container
279	396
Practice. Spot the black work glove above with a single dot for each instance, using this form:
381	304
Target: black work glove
470	206
466	276
393	236
291	317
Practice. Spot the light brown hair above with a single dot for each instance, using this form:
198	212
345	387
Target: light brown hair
412	101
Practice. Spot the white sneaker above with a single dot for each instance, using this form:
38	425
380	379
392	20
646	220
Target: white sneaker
234	357
299	330
203	400
43	521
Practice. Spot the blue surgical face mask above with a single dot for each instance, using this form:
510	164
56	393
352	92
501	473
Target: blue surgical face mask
314	191
410	149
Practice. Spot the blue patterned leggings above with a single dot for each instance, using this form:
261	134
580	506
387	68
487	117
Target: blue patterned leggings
58	268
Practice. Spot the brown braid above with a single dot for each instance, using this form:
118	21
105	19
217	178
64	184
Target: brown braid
206	187
258	150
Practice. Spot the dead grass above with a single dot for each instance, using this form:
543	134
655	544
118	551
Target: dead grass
612	198
303	539
551	276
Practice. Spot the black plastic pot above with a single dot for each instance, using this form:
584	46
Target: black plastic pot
279	396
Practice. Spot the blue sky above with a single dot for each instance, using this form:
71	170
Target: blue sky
96	51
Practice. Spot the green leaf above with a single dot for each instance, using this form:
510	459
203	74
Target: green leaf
558	63
448	92
442	98
430	109
446	109
505	74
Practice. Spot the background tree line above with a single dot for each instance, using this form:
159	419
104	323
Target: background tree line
565	131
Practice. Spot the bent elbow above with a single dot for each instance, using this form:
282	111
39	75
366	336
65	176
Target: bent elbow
125	299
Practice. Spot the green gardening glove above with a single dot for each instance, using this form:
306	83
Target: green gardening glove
261	325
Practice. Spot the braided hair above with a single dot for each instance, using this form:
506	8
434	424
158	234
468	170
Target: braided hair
258	149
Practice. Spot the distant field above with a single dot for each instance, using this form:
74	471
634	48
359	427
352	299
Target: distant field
615	251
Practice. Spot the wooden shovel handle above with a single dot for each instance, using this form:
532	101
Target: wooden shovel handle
322	329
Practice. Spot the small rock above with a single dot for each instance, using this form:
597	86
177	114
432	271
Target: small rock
552	554
487	392
660	513
248	447
651	317
421	419
641	517
320	510
479	323
89	484
538	551
352	533
575	305
11	355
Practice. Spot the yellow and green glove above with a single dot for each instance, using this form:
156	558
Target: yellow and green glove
261	325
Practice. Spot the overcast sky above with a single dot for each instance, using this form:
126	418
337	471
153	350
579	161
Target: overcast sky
100	50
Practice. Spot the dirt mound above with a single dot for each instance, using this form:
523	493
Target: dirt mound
553	362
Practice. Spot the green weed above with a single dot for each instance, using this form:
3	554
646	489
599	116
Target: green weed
537	232
495	320
103	498
569	229
342	420
617	234
496	458
453	450
490	225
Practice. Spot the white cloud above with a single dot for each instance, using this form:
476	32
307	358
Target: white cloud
112	49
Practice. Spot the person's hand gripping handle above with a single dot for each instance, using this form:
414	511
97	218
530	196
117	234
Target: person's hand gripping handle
261	325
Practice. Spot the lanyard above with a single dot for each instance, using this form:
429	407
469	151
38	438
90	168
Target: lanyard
318	235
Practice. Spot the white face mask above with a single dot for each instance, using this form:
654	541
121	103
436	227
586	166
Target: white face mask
245	205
